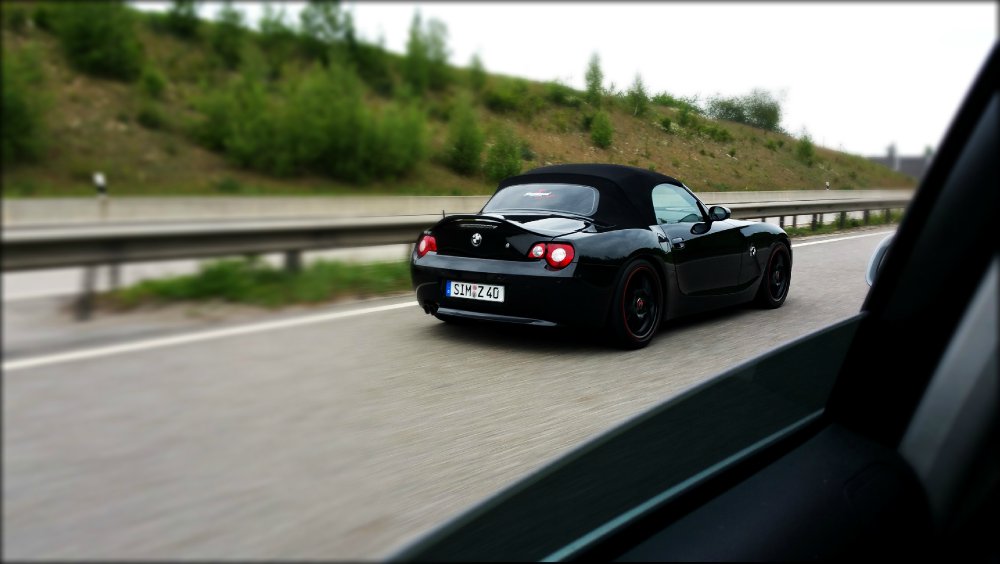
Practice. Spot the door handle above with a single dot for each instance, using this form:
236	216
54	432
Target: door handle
677	242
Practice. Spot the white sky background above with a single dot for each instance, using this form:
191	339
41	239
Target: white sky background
856	76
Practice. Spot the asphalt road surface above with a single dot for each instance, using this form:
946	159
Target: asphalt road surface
345	432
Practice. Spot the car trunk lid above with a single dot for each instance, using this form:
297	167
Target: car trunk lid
496	236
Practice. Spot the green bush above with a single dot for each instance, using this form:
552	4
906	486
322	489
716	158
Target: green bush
527	154
562	95
372	65
316	123
503	159
396	142
43	17
22	135
150	116
730	109
757	109
665	99
465	141
278	41
687	119
716	133
477	74
99	38
636	98
505	96
322	24
228	185
805	151
665	124
601	130
15	18
152	82
425	66
594	79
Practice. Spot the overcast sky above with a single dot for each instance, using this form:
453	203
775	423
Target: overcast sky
856	76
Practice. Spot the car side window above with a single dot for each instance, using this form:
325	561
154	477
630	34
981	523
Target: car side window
674	204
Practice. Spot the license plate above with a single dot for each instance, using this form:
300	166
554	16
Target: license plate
473	291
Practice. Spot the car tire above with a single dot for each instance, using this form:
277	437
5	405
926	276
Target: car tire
777	278
637	306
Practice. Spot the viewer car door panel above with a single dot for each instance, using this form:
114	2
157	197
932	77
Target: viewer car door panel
708	262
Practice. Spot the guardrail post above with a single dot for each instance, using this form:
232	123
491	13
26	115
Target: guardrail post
843	219
85	301
815	223
293	261
795	221
886	215
781	221
114	275
867	218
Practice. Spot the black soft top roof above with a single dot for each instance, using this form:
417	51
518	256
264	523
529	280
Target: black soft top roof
625	190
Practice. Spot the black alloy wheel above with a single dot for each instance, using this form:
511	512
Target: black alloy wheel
638	305
777	278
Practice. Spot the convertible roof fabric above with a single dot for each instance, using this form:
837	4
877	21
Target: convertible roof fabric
625	190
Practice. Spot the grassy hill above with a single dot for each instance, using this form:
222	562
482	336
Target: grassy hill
147	131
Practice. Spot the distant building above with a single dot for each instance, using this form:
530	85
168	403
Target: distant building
910	166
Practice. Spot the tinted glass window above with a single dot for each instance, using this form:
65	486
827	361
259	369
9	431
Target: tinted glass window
674	204
569	198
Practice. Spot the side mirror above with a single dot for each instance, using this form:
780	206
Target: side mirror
719	213
876	260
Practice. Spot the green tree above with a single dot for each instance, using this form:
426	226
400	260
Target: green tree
465	140
99	38
637	97
371	61
321	25
477	73
277	39
601	130
227	37
595	81
416	65
763	110
182	18
805	151
503	159
436	39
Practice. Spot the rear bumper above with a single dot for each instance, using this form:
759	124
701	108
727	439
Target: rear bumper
533	294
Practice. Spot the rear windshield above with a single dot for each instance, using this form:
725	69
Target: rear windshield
569	198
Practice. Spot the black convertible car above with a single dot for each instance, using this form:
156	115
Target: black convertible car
597	245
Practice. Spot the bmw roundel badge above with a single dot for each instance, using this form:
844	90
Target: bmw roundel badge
477	239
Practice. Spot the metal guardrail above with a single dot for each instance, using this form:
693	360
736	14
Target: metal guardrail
31	249
91	246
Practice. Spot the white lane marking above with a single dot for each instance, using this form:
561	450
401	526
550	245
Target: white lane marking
841	239
193	337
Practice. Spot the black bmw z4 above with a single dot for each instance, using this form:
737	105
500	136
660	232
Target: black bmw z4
597	245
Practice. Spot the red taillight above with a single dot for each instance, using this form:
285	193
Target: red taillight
427	244
558	255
